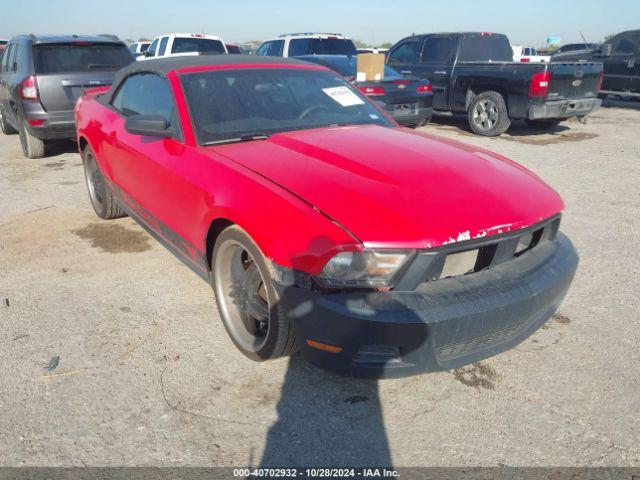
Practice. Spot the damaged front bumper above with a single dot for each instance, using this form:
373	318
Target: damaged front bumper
439	325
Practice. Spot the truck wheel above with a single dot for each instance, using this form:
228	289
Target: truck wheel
542	124
32	147
5	127
247	299
488	114
102	200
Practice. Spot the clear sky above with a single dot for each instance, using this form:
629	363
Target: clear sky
373	21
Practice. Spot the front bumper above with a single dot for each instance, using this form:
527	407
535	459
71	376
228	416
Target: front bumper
558	109
442	324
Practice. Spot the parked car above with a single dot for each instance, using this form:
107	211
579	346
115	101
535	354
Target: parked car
320	224
475	73
574	47
620	56
408	100
299	44
138	49
528	54
42	76
185	44
234	49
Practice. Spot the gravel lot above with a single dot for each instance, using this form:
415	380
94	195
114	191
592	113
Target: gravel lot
147	375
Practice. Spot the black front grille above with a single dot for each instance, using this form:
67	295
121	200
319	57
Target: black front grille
476	255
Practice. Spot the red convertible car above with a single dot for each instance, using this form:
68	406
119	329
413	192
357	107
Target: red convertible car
321	224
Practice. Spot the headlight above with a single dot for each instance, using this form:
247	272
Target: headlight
369	268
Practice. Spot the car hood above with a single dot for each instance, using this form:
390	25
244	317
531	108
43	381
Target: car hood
393	187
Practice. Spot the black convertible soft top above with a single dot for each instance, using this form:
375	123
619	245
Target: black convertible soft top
162	66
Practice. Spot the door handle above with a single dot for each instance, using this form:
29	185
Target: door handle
440	72
406	72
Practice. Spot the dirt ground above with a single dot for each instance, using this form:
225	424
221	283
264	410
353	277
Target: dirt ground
146	374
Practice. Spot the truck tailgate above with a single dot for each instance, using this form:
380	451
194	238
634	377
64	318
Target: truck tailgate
574	80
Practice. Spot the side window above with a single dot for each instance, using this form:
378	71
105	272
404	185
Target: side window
299	46
264	49
277	48
438	50
145	94
163	46
152	47
405	54
625	44
14	59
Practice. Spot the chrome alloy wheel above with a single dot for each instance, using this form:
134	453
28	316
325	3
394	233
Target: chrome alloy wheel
242	296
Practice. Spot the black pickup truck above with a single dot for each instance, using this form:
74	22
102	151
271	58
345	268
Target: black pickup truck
621	58
475	73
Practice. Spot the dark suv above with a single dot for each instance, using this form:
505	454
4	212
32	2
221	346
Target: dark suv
42	76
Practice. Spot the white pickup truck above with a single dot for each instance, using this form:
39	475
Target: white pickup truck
528	55
181	44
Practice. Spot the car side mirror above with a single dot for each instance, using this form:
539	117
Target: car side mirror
148	53
603	51
149	125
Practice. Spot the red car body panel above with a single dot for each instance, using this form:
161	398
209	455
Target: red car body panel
305	195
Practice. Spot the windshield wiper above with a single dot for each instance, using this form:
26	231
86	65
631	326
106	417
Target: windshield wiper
247	137
93	66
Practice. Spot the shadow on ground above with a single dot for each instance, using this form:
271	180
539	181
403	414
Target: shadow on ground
518	131
327	420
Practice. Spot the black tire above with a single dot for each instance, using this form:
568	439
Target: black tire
5	127
542	124
488	114
32	147
243	284
102	200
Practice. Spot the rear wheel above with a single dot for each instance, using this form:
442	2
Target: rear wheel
488	114
4	125
542	124
102	200
32	147
247	299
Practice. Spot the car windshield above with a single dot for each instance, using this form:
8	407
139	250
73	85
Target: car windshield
228	105
201	45
348	67
80	57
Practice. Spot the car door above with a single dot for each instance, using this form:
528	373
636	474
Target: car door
10	78
404	56
147	170
619	67
635	78
4	75
436	64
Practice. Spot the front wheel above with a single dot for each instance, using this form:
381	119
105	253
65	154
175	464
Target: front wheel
247	299
4	125
102	200
488	114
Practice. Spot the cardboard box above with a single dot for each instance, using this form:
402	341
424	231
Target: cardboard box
370	67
